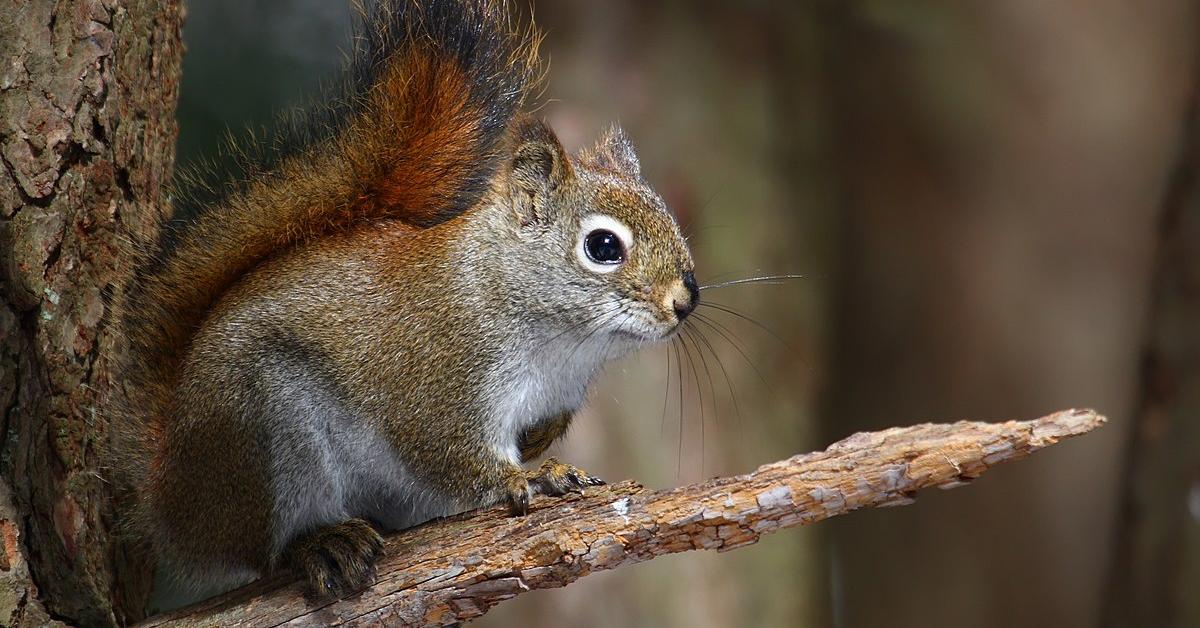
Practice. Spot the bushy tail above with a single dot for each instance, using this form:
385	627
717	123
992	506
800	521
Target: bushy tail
415	132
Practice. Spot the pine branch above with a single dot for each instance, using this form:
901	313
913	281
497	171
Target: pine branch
456	569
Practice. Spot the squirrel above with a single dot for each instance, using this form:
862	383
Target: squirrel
381	324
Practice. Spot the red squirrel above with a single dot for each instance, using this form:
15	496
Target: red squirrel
381	325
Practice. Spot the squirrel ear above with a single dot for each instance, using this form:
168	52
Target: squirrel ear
539	166
613	152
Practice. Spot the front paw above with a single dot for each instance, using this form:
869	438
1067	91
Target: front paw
556	478
518	492
337	560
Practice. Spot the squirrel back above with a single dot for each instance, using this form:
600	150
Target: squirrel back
381	325
415	133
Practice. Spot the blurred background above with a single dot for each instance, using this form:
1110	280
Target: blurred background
993	205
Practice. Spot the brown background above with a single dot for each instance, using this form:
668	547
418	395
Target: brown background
973	193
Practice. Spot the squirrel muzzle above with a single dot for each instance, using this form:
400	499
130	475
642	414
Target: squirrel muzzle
683	296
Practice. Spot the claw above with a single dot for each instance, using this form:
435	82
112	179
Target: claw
556	478
338	560
519	494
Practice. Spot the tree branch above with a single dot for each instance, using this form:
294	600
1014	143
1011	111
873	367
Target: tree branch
456	569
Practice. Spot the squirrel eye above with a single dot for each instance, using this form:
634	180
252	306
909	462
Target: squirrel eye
604	247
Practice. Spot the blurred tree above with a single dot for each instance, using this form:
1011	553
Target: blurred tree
1002	165
1157	565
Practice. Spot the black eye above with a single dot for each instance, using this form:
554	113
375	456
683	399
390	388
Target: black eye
604	247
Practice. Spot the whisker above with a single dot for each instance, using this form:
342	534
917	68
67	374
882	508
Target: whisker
769	279
729	336
701	229
583	324
600	325
728	310
609	300
662	426
604	351
679	382
722	276
737	410
699	394
712	391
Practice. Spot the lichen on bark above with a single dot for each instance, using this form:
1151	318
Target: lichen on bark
87	99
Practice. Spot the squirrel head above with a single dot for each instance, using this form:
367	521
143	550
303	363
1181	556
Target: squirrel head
608	257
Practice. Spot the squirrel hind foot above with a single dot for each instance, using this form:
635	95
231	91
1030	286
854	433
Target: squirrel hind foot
552	478
556	478
338	560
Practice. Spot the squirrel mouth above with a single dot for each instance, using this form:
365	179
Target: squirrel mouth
632	335
641	337
649	336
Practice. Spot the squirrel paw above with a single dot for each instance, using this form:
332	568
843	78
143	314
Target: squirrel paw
557	478
518	492
553	478
337	560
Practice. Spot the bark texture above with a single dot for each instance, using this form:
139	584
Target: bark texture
87	129
1157	564
456	569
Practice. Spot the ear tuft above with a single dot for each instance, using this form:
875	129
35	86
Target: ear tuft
613	152
539	166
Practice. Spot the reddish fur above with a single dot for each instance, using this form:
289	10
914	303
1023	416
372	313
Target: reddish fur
406	157
438	128
408	154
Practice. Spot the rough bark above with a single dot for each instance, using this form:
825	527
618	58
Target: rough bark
1157	563
87	129
456	569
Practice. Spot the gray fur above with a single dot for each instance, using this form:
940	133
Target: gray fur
389	374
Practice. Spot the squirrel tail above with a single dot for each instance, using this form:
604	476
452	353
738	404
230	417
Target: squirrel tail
415	133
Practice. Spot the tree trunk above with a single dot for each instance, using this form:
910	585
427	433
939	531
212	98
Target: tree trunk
87	130
1158	542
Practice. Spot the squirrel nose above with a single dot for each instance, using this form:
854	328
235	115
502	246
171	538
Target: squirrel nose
685	304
